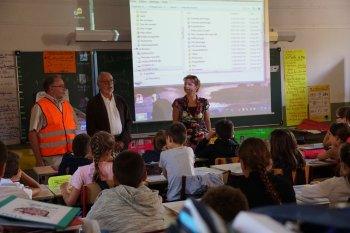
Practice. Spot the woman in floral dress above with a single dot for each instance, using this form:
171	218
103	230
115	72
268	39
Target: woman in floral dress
192	111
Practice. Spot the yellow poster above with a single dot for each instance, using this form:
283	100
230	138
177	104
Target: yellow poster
319	103
295	86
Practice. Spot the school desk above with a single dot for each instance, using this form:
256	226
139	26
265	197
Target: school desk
234	168
44	195
43	173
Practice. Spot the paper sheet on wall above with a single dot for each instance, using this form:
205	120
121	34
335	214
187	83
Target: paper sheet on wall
319	103
295	86
59	62
9	109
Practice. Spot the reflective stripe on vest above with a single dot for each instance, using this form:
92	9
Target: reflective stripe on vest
57	136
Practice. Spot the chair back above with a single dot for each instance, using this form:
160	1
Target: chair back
89	194
225	160
279	171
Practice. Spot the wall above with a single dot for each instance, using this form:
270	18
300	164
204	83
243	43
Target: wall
322	27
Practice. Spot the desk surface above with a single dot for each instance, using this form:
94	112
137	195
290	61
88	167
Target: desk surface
175	206
235	168
320	163
160	179
45	170
55	191
44	194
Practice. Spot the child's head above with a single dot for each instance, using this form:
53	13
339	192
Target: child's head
129	169
159	141
345	159
343	114
226	201
81	145
224	129
12	164
339	131
284	149
255	157
3	158
102	144
254	154
176	133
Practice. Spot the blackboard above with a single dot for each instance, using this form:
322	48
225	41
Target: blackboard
119	64
30	78
9	109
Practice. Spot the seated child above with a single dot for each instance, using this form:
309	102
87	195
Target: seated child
130	206
336	189
224	146
342	116
338	134
102	145
16	176
226	201
286	155
260	186
177	160
81	155
159	144
7	190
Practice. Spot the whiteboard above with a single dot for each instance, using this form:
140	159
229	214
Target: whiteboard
9	108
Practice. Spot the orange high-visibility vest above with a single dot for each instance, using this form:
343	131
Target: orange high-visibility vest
57	136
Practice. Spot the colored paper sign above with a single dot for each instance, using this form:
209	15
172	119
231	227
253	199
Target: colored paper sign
59	62
319	103
295	86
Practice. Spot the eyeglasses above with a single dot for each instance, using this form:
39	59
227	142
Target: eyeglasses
61	86
107	81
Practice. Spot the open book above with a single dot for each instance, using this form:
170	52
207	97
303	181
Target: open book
52	215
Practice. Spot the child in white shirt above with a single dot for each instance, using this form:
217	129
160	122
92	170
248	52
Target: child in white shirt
336	189
178	160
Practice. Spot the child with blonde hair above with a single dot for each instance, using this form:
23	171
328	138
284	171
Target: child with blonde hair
102	145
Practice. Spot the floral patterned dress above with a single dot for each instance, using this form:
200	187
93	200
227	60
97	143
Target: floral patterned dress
193	119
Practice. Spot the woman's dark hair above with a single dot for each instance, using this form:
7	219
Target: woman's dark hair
343	112
341	130
81	144
195	80
100	143
284	150
256	157
224	129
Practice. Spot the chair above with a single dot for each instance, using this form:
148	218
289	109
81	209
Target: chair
225	160
89	194
195	186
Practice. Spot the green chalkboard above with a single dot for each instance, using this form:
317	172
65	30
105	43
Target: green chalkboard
31	74
119	64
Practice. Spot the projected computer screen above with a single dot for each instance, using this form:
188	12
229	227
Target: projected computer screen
224	43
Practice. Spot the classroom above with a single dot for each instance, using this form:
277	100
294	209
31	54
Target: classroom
320	31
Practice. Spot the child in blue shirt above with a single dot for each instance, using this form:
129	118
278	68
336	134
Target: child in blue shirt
81	155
